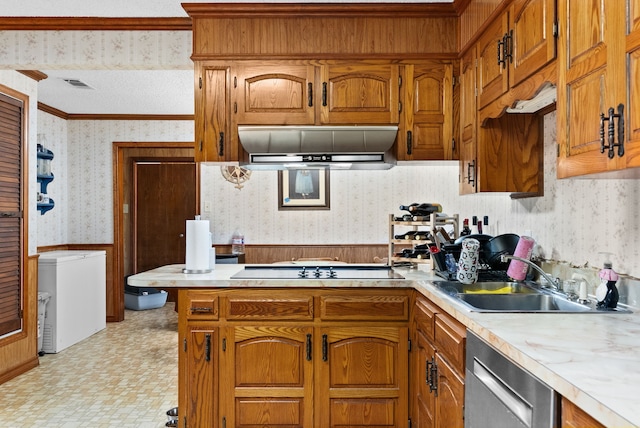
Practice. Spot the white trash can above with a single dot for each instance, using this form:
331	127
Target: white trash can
43	299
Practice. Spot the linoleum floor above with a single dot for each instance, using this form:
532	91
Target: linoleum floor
123	376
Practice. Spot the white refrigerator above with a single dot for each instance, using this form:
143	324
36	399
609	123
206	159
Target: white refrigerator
76	281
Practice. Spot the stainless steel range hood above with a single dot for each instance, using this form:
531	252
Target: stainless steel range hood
335	147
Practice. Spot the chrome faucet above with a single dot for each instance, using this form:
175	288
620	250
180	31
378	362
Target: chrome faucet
555	282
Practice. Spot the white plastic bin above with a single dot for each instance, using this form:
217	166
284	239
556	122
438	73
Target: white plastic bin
43	299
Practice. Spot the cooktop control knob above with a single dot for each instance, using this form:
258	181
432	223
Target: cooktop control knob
317	273
303	273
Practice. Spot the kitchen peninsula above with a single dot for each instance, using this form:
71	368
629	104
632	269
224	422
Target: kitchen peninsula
589	360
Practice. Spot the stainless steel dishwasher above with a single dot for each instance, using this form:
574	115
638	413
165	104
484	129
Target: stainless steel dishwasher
500	394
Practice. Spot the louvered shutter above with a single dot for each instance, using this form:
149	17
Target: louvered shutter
10	214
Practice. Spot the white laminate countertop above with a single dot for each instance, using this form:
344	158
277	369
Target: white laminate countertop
591	359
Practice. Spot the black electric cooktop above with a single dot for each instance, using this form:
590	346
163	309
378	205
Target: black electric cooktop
310	271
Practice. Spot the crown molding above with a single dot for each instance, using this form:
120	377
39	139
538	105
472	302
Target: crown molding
31	23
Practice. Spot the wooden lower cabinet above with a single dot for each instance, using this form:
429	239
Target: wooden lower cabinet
266	376
197	390
266	358
437	361
363	376
574	417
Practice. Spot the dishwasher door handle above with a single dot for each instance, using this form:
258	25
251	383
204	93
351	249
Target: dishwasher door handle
502	392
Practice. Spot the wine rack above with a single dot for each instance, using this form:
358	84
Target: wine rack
397	227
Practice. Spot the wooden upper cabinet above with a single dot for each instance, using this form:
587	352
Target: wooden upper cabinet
493	77
213	141
427	131
359	94
517	44
632	98
533	37
268	93
468	119
598	43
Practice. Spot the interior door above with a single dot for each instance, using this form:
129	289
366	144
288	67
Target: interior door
165	197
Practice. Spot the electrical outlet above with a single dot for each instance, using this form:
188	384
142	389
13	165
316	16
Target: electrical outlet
207	206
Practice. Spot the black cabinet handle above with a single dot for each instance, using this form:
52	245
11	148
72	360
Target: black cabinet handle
508	47
201	310
432	375
470	179
221	145
309	348
409	142
207	347
611	132
620	130
325	348
500	52
310	94
324	94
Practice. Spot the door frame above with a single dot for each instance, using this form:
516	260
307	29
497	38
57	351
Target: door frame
124	153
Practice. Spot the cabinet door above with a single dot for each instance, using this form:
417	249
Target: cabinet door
213	140
574	417
274	94
428	113
493	75
533	42
359	94
450	401
267	377
422	365
587	45
198	388
363	377
632	103
468	115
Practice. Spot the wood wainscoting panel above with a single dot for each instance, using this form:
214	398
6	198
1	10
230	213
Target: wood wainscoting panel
358	253
19	352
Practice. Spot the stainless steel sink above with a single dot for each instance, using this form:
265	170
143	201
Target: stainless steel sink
522	303
492	287
513	297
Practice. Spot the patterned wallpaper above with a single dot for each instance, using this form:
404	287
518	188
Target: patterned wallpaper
576	219
89	50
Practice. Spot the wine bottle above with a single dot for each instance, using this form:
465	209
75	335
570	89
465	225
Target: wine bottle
408	207
465	228
421	235
425	209
407	235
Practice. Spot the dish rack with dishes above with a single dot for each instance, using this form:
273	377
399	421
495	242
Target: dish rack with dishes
417	236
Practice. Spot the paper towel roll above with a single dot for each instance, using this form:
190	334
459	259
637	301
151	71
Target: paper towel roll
517	269
468	261
198	245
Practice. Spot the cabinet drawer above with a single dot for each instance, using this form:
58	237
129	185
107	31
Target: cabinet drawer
450	339
424	316
201	305
369	307
269	308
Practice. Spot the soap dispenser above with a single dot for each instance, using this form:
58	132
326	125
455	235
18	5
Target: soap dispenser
607	292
